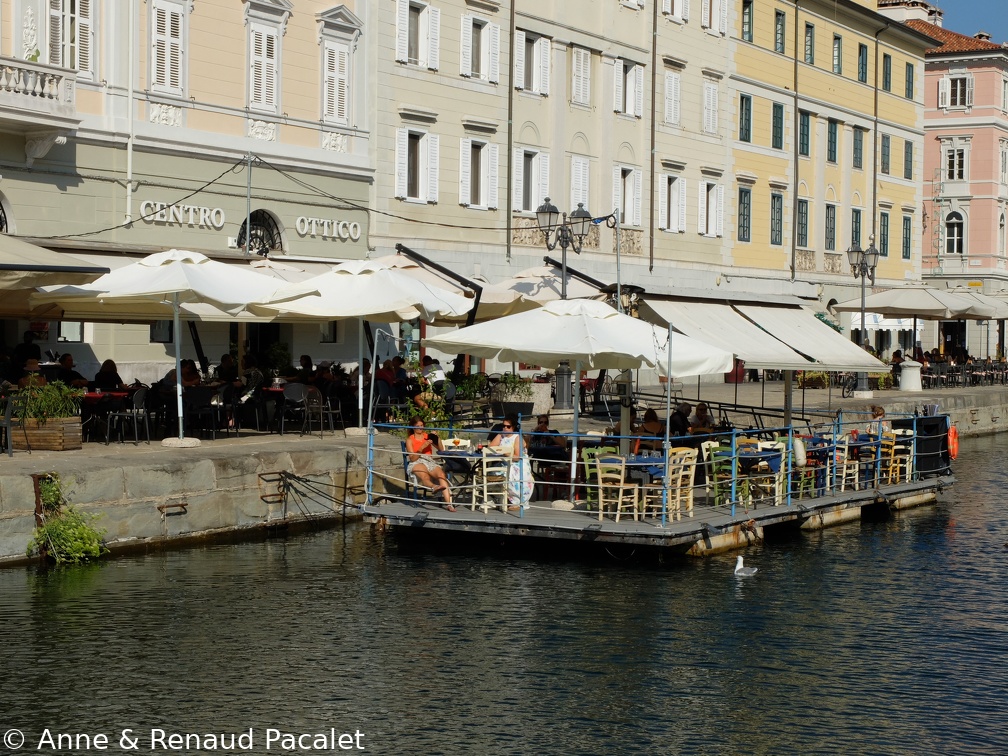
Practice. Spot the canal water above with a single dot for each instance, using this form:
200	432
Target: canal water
871	638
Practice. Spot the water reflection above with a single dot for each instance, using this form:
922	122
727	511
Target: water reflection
883	638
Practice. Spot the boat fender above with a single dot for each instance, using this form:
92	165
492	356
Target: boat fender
800	458
953	441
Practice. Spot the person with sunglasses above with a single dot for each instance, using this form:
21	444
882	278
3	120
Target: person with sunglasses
520	480
420	446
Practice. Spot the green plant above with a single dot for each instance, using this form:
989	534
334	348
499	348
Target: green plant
47	401
276	356
471	387
434	415
66	536
512	387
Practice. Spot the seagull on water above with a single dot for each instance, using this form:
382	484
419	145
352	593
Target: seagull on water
744	571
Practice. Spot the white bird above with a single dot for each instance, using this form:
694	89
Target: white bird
744	571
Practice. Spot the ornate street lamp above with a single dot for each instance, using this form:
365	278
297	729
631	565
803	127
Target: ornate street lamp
569	232
863	262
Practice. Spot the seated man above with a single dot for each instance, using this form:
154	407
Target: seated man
68	375
700	421
545	443
897	366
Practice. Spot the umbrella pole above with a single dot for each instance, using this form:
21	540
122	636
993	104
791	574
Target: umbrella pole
178	365
668	423
360	373
574	443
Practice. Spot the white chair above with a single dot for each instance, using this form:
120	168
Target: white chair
490	486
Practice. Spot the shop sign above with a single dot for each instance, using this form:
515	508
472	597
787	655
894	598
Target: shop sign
182	215
328	228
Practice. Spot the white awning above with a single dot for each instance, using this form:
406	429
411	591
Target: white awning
805	333
719	325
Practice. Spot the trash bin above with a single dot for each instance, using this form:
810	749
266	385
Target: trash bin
910	376
563	387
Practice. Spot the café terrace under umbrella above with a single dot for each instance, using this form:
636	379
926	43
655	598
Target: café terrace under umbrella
918	301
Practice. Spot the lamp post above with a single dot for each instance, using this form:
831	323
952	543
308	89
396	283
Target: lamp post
863	262
569	232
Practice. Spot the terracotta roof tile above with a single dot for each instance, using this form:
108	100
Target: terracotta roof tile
952	42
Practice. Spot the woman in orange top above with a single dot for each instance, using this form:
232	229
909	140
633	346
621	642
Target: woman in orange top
420	447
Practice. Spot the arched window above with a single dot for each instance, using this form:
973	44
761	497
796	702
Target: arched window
266	235
954	233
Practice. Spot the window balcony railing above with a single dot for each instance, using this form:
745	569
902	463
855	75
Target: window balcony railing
37	95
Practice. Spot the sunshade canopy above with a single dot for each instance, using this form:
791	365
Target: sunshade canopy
24	266
918	301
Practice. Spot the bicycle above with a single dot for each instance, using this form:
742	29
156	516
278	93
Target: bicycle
848	386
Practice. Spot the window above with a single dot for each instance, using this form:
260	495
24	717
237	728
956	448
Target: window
862	63
776	219
478	174
1004	162
480	50
417	165
1004	95
530	170
858	161
161	332
780	21
532	64
884	157
802	229
809	44
678	9
672	203
908	235
837	54
627	194
908	159
777	135
71	35
339	31
831	141
887	72
264	73
167	37
747	20
710	111
856	226
744	214
580	76
955	164
70	331
745	118
714	15
628	88
883	228
710	214
579	181
418	34
954	233
672	98
804	132
955	92
910	74
830	238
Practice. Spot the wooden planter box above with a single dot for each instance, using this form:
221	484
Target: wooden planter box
58	434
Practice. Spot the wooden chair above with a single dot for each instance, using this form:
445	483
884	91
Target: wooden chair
765	480
846	465
614	490
889	470
904	454
682	465
721	468
588	456
490	484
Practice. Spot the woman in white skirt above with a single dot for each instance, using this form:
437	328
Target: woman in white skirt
520	480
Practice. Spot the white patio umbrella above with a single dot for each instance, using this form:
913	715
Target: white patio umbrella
999	306
24	266
165	280
918	301
586	332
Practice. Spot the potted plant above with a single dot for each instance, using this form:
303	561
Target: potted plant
50	414
512	394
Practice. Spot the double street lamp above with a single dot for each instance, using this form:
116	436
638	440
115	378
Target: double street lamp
863	262
569	232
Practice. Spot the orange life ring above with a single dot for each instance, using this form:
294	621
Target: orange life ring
953	441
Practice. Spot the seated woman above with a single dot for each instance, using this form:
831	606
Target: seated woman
878	424
652	432
897	366
420	448
520	480
107	378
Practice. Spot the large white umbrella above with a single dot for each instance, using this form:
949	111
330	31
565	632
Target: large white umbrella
586	332
918	301
164	281
24	266
999	306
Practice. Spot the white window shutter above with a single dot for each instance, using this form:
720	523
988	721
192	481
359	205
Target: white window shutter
638	181
639	99
56	33
401	149
329	65
720	210
465	170
969	91
494	75
544	178
402	31
666	7
519	62
433	155
85	39
669	91
434	38
724	20
493	155
575	181
586	77
517	178
617	188
705	14
465	50
663	214
943	93
685	10
577	74
702	208
618	86
544	66
342	84
682	205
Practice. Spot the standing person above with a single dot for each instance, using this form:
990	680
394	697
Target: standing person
520	480
420	447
